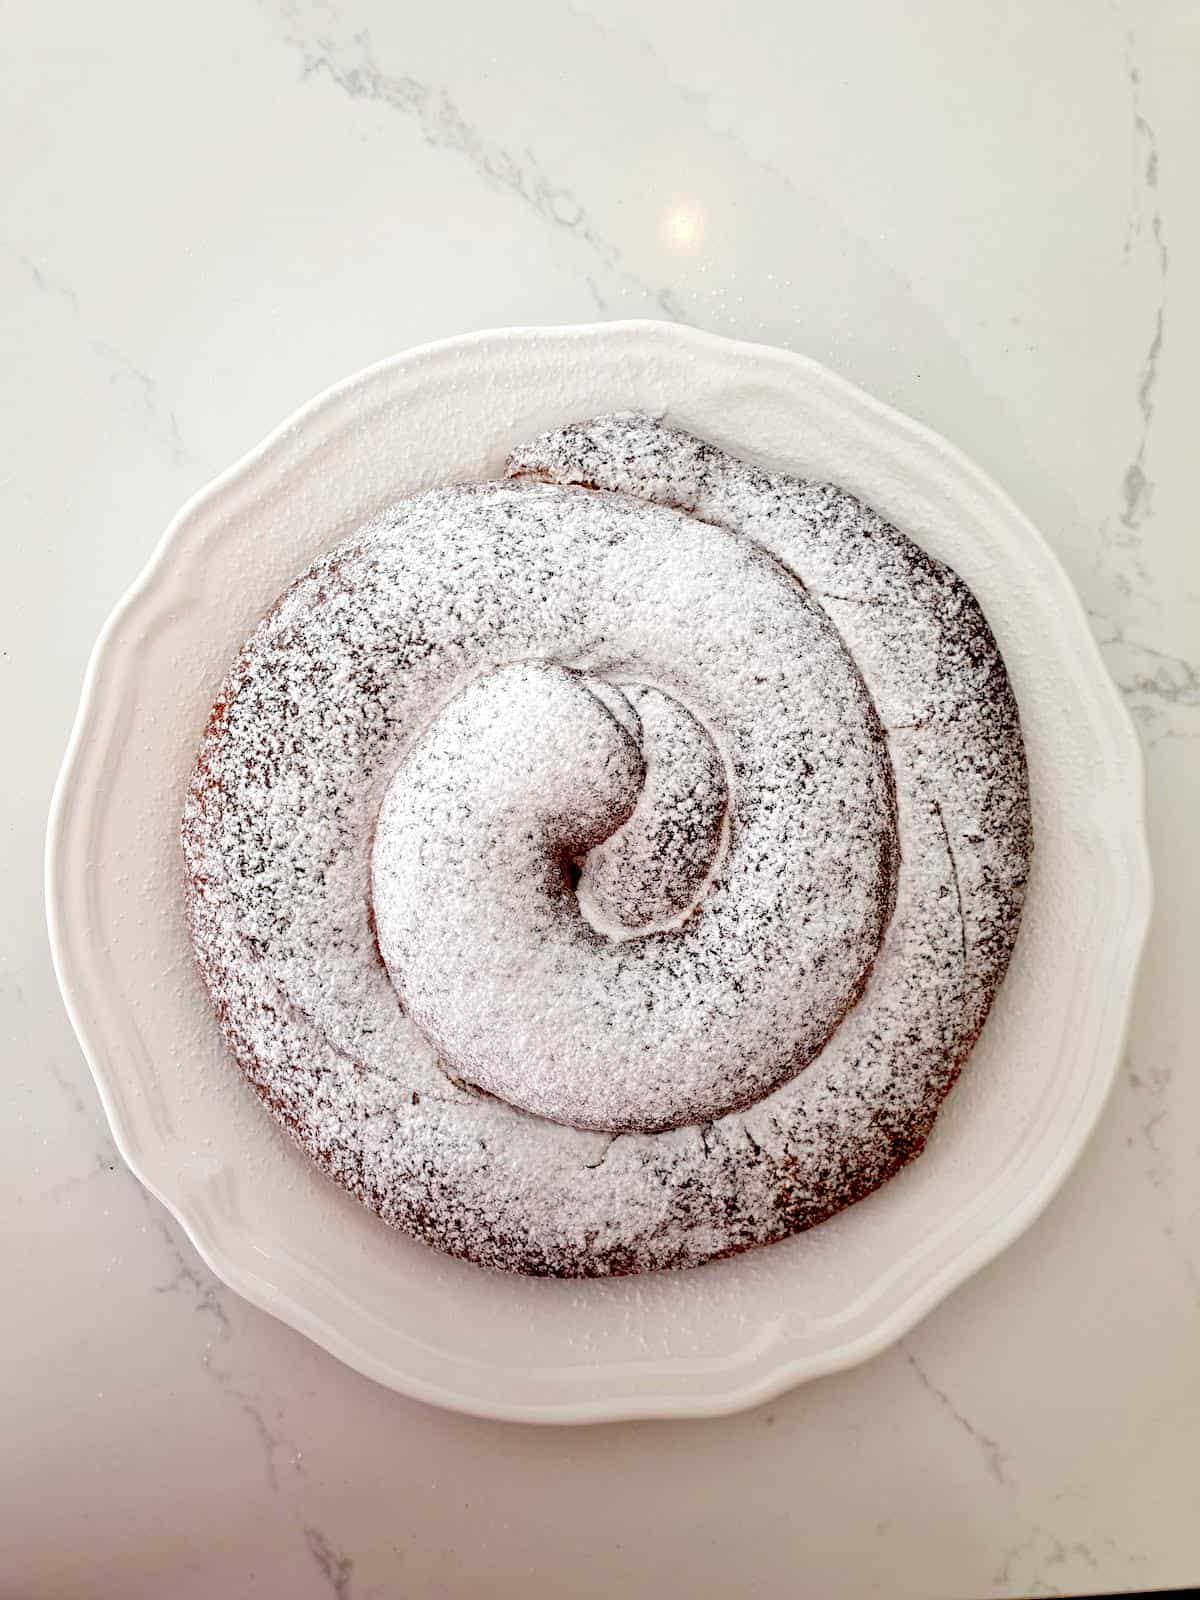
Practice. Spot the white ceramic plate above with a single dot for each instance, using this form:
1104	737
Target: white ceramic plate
674	1344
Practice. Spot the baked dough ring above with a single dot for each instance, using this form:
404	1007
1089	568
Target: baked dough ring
848	694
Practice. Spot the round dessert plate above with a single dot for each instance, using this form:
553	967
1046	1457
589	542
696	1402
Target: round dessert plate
669	1344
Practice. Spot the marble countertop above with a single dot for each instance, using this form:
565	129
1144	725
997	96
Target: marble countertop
988	216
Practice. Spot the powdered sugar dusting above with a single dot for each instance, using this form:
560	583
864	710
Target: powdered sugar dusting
361	670
651	872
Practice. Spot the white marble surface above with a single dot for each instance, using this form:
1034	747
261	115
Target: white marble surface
989	216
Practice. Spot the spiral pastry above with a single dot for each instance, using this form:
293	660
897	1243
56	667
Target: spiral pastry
611	868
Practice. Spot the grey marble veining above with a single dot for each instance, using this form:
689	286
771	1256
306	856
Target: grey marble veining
990	218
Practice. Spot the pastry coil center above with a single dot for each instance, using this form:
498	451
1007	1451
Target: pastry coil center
535	874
